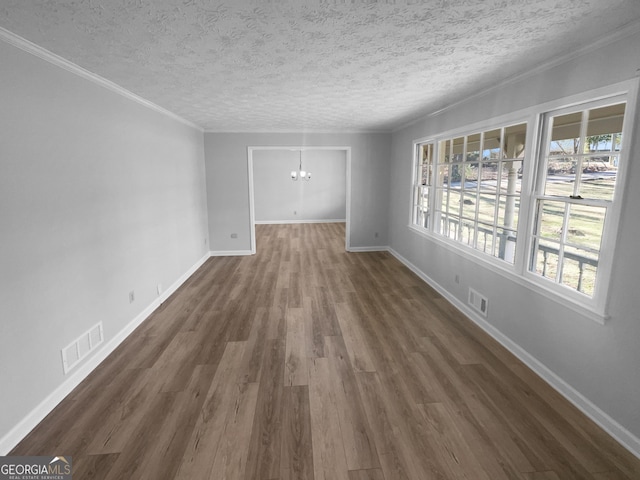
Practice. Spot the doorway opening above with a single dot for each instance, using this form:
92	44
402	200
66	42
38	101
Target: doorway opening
283	199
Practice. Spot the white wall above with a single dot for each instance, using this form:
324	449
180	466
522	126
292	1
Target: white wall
99	196
228	186
600	362
278	198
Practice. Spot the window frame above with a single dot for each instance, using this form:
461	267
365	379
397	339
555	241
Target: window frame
595	308
503	121
598	303
470	219
417	186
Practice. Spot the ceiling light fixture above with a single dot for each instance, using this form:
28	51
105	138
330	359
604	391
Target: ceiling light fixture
302	174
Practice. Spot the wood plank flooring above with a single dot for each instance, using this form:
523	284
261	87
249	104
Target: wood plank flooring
307	362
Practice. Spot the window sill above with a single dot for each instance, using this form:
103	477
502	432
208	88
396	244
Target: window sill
527	280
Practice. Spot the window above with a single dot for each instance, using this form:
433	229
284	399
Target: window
537	199
468	189
422	184
576	188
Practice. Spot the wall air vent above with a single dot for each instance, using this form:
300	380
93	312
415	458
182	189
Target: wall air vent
478	301
73	353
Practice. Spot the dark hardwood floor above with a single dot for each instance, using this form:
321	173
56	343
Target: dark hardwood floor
307	362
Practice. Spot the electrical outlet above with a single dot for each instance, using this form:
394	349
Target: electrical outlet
132	296
234	235
375	235
457	279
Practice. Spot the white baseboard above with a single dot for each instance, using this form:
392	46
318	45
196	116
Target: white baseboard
230	253
286	222
33	418
367	249
623	436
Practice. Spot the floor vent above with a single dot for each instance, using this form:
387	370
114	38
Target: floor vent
73	353
478	302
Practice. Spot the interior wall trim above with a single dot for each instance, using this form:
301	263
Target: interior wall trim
230	253
33	418
372	248
287	222
319	131
623	436
36	50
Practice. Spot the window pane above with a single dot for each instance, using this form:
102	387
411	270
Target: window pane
617	142
546	259
510	177
454	201
424	197
552	217
604	137
443	175
441	224
473	148
508	211
604	129
485	239
445	151
488	177
491	145
467	233
426	155
565	135
515	140
599	179
506	245
579	269
469	207
470	176
561	177
425	174
427	152
458	149
450	226
585	227
455	175
421	218
442	196
486	208
441	228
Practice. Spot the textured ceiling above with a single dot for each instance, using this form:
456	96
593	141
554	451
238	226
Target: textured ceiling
274	65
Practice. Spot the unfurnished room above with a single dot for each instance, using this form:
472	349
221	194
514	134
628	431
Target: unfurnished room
319	239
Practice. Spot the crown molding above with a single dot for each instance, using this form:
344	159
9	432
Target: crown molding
303	131
36	50
623	32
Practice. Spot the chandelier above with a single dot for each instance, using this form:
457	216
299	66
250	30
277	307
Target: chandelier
302	174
